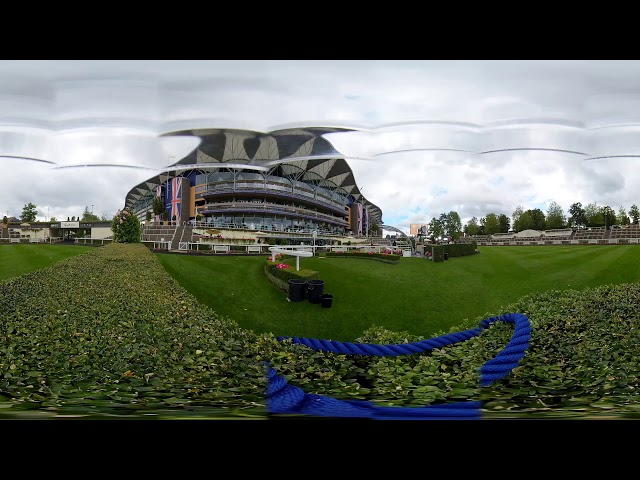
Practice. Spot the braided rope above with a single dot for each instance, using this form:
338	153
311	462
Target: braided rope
283	398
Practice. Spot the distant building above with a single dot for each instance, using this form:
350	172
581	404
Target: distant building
416	229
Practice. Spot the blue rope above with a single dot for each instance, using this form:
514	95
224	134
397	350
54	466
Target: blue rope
283	398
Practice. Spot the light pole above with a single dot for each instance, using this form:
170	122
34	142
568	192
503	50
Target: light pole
91	209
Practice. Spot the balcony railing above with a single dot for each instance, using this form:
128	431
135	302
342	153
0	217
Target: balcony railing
260	189
270	208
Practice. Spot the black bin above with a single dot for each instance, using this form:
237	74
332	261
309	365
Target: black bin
296	289
446	255
326	300
315	289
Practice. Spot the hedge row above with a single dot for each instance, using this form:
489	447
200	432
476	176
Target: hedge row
381	257
454	250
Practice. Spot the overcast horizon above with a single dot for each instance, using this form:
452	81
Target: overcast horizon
475	137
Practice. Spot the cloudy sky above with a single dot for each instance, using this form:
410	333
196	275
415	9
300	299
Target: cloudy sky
475	137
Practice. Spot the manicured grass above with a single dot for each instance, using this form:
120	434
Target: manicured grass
417	296
18	259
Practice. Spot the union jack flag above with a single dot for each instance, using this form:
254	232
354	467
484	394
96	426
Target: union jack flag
176	198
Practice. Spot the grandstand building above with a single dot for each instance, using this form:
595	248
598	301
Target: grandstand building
281	181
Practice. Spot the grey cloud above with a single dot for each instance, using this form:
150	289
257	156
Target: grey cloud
442	114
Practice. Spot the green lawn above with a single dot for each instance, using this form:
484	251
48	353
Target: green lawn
18	259
417	296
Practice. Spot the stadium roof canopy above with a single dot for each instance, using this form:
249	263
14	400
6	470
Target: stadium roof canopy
300	152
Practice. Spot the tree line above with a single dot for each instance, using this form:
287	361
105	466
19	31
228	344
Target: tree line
578	217
30	213
592	215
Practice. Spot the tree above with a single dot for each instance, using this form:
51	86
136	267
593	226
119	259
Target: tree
88	216
453	225
126	227
53	219
491	224
104	218
148	216
609	216
29	213
525	222
634	213
436	228
471	228
555	216
577	217
622	217
442	219
158	206
504	223
482	227
593	215
538	219
517	213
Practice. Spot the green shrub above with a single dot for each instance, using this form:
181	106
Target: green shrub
438	253
126	227
284	274
381	257
120	337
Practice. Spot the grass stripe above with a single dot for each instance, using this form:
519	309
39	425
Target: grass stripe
18	259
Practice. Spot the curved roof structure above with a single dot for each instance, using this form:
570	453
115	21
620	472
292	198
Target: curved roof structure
301	153
394	229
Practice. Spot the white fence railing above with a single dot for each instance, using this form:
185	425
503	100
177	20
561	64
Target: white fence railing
93	241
